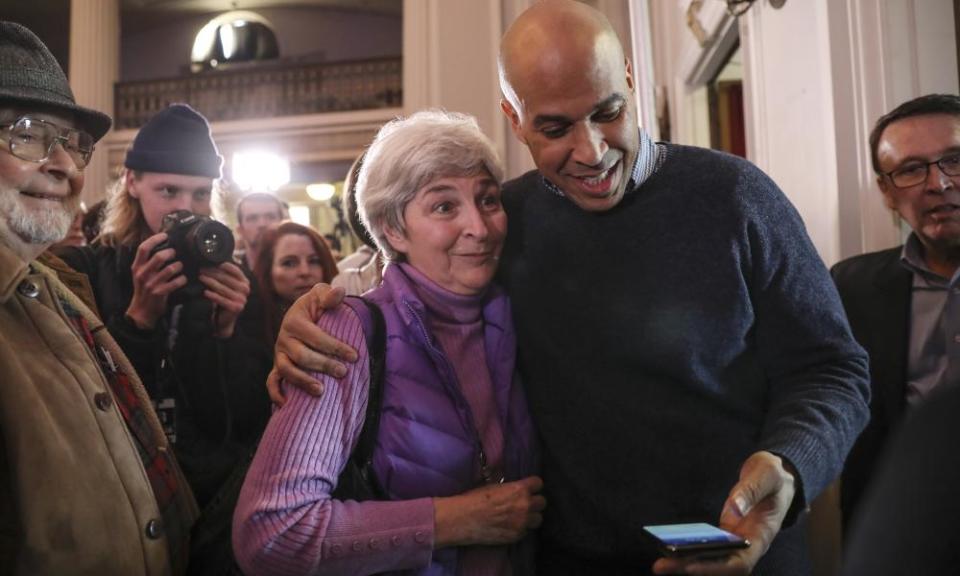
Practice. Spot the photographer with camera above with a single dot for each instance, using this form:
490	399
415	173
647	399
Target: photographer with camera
168	291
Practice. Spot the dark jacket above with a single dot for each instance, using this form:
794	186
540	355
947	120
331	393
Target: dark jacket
875	290
907	524
221	404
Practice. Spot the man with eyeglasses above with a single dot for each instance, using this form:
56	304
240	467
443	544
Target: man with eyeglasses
88	483
904	303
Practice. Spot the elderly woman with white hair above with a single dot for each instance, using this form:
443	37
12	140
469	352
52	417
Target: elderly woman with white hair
454	457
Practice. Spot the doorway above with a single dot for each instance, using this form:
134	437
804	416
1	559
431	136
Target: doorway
725	103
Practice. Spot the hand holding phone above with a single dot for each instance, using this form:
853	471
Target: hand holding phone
755	508
699	539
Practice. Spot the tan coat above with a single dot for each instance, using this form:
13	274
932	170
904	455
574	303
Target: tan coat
74	495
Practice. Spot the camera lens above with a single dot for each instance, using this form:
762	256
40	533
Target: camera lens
213	243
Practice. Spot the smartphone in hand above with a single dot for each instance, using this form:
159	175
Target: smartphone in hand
699	539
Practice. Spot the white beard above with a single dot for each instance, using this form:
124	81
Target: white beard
38	227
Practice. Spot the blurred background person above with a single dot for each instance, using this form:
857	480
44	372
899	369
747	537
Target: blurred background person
363	269
455	451
255	213
292	258
92	219
333	243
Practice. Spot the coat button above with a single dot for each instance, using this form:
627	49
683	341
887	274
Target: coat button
336	550
29	289
374	543
154	529
395	541
103	400
357	546
420	537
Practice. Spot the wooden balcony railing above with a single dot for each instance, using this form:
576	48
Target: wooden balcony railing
266	91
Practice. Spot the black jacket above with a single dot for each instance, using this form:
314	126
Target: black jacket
217	384
875	289
908	521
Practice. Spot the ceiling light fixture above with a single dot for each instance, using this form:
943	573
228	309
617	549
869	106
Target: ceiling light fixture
321	192
259	171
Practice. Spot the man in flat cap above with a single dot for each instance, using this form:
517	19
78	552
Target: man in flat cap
88	484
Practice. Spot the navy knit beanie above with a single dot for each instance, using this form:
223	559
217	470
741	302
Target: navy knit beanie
175	141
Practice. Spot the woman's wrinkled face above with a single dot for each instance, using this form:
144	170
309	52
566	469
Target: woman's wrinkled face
296	267
455	227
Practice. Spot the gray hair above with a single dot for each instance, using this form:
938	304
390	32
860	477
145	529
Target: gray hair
410	153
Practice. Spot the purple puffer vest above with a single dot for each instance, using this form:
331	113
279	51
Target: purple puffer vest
427	444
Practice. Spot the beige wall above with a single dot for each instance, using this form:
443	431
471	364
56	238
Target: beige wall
450	60
790	113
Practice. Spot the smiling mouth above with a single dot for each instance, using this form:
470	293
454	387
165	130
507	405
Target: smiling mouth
50	197
477	258
598	183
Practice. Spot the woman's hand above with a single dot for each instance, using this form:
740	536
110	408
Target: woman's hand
489	515
153	281
228	289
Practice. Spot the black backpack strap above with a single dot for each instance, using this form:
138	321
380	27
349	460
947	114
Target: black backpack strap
358	481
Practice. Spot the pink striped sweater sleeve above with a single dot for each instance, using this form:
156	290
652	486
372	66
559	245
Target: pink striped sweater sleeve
285	521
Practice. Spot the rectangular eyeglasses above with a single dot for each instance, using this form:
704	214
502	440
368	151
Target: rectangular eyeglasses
916	172
33	140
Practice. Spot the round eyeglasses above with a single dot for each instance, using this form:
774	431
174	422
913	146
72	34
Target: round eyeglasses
33	140
916	172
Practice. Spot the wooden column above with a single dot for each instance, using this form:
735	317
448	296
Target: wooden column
94	69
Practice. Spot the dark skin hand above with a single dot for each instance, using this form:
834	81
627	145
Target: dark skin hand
294	361
754	510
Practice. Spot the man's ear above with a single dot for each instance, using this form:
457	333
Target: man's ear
629	72
397	240
508	110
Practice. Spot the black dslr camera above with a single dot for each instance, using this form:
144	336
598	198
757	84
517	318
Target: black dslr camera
199	242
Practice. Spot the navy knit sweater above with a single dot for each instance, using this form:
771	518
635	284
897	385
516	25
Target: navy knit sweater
664	341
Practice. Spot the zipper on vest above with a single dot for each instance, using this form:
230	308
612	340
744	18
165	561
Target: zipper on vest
486	474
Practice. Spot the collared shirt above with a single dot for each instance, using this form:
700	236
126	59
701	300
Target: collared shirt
650	157
934	346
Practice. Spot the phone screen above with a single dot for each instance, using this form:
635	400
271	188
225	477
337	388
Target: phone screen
694	538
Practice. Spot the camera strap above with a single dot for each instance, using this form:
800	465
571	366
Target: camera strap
165	404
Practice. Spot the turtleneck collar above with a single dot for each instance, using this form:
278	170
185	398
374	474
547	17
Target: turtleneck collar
444	305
